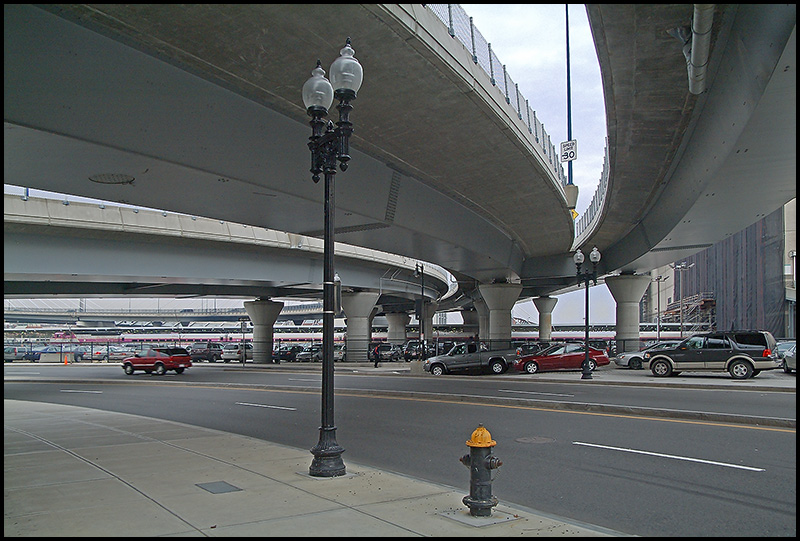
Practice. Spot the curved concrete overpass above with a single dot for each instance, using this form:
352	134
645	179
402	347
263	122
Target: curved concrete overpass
91	250
201	106
196	110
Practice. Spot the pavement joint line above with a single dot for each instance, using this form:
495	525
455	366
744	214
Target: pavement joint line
102	469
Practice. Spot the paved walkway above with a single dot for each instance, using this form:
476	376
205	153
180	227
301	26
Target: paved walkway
72	471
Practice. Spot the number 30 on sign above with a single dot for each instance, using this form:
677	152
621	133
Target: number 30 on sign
569	150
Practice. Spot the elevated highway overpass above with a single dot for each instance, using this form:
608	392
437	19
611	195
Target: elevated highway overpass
197	110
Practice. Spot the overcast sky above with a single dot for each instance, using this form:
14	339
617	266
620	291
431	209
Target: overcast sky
530	40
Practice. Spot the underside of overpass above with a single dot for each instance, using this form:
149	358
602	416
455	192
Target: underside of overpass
197	110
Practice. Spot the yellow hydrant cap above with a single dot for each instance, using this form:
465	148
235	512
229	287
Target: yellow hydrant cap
481	438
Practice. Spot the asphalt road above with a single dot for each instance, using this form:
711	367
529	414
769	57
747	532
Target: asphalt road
637	474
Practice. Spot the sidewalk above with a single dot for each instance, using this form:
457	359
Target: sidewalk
72	471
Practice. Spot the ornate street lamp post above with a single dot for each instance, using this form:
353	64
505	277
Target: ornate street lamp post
586	276
328	146
419	272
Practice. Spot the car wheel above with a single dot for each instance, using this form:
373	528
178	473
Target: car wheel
592	364
437	370
740	369
497	367
660	368
179	370
635	364
160	370
129	369
531	367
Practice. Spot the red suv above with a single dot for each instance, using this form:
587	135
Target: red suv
158	360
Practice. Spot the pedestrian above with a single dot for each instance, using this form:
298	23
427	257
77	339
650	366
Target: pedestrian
377	355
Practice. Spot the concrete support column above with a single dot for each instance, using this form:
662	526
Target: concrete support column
627	290
358	310
483	319
471	322
500	299
263	313
429	310
545	307
397	327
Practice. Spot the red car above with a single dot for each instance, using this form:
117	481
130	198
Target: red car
561	357
158	360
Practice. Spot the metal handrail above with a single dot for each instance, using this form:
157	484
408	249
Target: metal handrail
461	27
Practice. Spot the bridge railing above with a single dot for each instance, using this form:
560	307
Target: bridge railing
461	27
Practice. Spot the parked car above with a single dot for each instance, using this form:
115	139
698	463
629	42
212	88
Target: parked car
530	348
206	351
34	354
386	352
634	359
568	356
743	354
470	356
411	350
59	349
782	347
79	353
340	352
310	354
286	353
234	352
789	361
158	360
15	353
107	353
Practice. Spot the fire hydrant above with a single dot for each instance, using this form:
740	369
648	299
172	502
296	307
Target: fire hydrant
481	462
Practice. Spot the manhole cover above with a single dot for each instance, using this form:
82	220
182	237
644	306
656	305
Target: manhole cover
535	439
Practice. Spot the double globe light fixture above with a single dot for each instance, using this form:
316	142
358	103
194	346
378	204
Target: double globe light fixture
329	145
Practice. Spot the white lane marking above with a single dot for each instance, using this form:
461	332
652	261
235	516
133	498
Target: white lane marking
534	392
265	406
688	459
74	391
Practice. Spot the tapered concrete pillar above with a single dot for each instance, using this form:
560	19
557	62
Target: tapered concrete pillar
483	319
263	313
545	307
500	299
471	322
398	321
358	311
429	309
627	290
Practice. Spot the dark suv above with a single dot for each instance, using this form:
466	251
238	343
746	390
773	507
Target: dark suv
743	354
206	351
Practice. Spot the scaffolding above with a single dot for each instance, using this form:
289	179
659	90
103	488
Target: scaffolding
699	312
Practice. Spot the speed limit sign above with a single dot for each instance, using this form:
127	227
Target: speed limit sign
569	150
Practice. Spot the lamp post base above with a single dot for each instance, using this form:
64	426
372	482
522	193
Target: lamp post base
327	456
